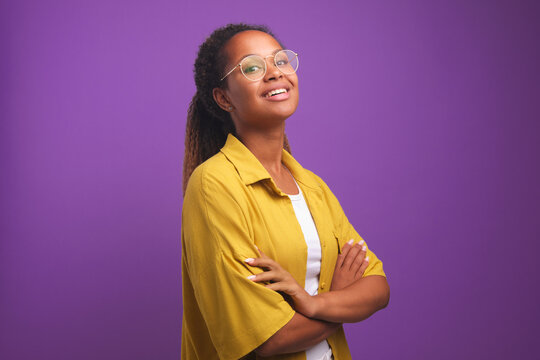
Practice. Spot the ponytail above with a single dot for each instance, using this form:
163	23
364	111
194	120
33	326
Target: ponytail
205	135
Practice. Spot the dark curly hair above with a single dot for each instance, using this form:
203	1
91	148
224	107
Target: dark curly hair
207	124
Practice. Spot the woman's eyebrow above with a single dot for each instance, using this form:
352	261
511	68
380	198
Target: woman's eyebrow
273	53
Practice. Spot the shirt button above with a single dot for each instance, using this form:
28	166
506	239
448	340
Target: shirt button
323	285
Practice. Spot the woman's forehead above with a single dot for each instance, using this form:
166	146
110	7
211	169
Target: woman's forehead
251	42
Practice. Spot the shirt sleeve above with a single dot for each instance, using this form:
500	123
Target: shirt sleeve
240	314
344	231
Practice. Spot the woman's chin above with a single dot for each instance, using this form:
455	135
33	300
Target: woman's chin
283	109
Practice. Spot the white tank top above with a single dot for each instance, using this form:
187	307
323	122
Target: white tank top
322	350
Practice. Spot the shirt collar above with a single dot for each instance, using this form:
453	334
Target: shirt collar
251	170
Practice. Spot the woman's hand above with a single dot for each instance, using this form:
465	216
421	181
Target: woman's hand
281	280
350	265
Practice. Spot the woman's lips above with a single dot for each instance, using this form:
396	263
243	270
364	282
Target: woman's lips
278	97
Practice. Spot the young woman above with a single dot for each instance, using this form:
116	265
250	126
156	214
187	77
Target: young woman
271	266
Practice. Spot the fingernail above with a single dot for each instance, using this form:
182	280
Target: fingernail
350	242
251	277
361	242
364	248
256	246
367	258
248	260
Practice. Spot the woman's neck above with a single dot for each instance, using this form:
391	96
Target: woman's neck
266	146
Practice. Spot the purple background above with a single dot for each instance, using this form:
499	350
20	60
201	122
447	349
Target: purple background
422	116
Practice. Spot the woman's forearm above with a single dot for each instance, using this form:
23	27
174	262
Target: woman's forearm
300	333
354	303
351	304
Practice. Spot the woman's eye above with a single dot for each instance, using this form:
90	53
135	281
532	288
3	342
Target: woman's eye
251	68
282	62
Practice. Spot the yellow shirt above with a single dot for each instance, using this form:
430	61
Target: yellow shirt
232	204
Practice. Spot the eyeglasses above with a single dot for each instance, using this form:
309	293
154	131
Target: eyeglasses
253	67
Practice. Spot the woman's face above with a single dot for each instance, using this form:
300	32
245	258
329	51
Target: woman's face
251	107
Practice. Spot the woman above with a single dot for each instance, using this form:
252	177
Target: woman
256	224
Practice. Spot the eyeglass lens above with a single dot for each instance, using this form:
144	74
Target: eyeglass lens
253	67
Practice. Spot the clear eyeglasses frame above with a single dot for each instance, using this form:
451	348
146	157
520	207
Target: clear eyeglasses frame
285	60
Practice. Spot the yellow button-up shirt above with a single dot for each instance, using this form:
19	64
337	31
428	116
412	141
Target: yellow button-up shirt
232	204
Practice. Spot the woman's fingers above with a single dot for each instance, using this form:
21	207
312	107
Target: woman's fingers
262	263
344	251
353	253
277	287
265	276
278	279
362	268
274	279
359	259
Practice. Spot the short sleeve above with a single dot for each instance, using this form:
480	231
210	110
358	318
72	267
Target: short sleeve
240	314
344	231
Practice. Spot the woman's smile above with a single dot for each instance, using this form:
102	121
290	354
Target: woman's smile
278	92
278	97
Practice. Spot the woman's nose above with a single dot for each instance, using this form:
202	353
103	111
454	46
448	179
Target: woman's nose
272	71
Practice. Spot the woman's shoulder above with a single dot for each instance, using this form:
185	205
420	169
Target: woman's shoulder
215	173
327	192
316	178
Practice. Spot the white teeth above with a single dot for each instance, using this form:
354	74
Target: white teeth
276	91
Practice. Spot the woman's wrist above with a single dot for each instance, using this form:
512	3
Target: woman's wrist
306	304
317	303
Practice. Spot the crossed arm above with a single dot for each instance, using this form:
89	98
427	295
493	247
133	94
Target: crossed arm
351	298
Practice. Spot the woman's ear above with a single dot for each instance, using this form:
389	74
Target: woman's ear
221	99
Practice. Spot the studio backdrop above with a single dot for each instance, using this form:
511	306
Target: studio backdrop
422	117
